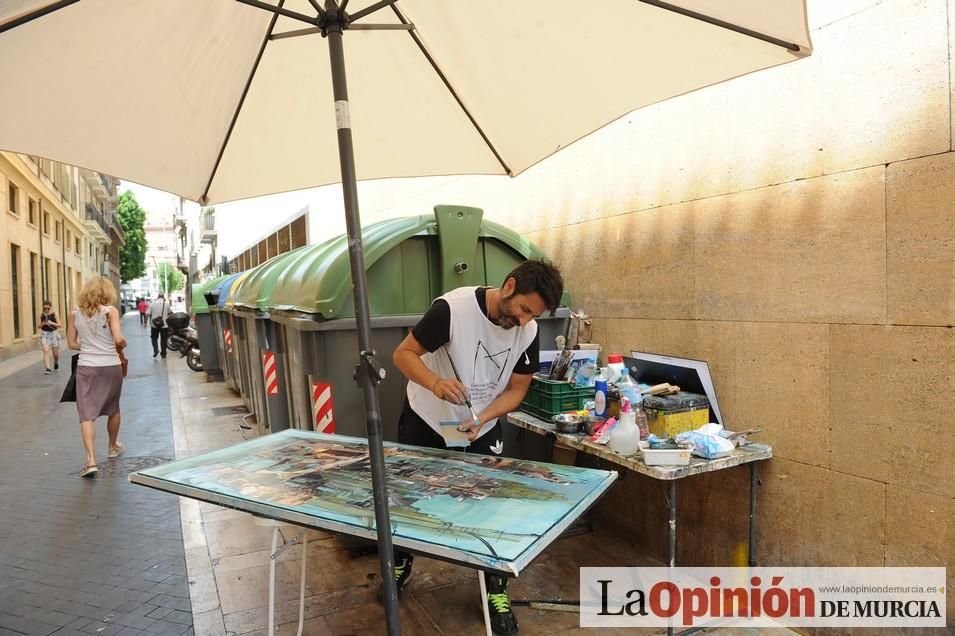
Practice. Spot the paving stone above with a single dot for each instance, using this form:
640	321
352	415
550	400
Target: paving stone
72	551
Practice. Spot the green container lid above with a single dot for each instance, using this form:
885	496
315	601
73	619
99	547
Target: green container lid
199	304
253	292
409	261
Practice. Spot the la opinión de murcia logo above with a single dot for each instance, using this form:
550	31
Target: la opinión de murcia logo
912	597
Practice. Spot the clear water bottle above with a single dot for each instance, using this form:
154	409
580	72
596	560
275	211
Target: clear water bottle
628	387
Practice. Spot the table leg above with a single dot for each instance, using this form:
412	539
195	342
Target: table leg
487	612
671	534
272	557
671	529
754	485
301	596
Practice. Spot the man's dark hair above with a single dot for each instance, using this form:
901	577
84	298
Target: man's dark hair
535	275
47	302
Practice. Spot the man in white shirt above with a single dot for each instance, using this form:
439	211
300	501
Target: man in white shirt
479	343
159	308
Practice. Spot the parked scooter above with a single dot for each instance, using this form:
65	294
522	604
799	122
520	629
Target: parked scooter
184	339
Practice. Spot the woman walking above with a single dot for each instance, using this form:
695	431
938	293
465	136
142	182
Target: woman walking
50	338
94	330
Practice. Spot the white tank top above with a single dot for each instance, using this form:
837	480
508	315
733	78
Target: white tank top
484	354
97	348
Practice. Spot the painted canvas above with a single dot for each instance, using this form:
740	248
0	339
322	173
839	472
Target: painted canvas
493	512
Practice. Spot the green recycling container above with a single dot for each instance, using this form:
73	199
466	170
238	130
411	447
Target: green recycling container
409	262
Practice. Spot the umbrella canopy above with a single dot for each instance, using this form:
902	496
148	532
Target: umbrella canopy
223	100
194	98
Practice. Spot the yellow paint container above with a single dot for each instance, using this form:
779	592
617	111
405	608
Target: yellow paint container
669	415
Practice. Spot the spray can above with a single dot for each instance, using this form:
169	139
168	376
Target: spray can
600	397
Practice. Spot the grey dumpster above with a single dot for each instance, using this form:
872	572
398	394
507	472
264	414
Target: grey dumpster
216	297
265	344
409	261
208	347
245	355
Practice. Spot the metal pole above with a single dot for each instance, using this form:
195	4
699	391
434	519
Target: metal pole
366	364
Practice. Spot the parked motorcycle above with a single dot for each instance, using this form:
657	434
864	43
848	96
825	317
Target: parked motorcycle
184	339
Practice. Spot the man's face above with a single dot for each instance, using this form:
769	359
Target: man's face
518	309
46	309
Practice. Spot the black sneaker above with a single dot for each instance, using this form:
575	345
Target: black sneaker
155	353
56	366
402	575
503	621
47	372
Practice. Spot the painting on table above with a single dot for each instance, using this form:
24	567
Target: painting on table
487	511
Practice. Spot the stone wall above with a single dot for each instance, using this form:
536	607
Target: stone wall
795	228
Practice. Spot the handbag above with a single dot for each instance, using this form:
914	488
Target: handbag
123	361
159	322
69	391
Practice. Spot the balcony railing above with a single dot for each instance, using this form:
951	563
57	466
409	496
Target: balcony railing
207	227
93	213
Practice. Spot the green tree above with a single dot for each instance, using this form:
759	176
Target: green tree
170	278
132	255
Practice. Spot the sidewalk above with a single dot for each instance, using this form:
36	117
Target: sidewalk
87	556
227	558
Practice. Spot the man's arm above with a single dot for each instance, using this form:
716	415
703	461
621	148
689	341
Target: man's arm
407	358
507	401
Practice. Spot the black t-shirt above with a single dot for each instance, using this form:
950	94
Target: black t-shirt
46	317
434	330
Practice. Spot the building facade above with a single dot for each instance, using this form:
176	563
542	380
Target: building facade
58	228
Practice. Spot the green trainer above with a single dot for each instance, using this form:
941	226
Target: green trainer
503	621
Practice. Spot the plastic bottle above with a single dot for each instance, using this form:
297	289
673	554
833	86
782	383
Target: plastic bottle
640	416
625	437
628	387
600	397
616	366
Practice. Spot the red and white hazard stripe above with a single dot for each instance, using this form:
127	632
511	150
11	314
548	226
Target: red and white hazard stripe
322	407
227	334
271	373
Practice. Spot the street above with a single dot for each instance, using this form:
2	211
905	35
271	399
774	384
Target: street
88	556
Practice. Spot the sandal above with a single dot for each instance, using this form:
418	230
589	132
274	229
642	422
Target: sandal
116	451
89	471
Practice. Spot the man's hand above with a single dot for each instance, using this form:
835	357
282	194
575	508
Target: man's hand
468	426
449	390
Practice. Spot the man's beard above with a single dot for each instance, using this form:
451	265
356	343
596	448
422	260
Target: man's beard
505	318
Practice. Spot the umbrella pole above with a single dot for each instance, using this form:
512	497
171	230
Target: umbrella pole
369	372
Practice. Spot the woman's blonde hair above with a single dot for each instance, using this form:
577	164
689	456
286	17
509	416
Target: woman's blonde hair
97	292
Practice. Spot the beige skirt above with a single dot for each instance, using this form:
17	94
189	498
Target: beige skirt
97	391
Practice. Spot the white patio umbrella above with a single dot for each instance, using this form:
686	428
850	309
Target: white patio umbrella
217	100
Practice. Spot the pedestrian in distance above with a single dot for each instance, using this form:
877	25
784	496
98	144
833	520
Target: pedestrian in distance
159	312
50	338
93	329
143	308
475	347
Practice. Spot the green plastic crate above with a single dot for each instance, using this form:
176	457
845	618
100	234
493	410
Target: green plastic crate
546	398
